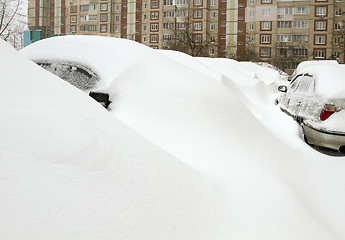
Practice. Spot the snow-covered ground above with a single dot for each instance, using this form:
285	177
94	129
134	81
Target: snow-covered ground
192	148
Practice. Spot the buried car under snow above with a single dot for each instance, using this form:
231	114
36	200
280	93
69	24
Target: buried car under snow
315	97
86	62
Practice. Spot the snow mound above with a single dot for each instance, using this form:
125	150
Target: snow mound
180	155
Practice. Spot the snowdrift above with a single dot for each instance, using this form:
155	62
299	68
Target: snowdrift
180	155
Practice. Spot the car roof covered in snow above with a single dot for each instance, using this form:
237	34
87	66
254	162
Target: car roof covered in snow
329	77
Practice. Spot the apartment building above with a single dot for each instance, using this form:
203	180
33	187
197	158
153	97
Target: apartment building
220	24
286	32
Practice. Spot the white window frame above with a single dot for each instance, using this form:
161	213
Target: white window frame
319	54
320	25
337	26
265	25
251	26
197	2
321	11
154	27
320	40
265	39
104	6
197	26
212	26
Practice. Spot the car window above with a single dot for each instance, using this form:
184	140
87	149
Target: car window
76	74
305	87
295	83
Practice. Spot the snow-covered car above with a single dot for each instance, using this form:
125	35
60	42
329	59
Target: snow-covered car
315	98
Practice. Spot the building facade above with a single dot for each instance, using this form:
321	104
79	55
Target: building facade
161	24
286	32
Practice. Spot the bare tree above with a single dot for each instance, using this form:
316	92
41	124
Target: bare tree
185	36
12	21
288	56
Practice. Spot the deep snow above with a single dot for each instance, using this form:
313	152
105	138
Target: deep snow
192	148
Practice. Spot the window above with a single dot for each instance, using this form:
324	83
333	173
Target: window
84	7
145	7
212	52
337	26
283	51
73	19
181	25
320	25
285	10
84	17
197	2
197	14
168	2
336	40
103	28
117	7
73	9
145	28
182	14
213	14
212	39
154	15
169	14
145	16
154	38
104	6
116	28
265	25
154	27
319	54
284	37
197	26
266	12
251	39
213	27
320	39
104	17
299	51
144	39
284	24
265	39
154	4
167	37
338	12
213	3
266	1
197	38
73	28
321	11
251	14
301	10
251	2
93	7
338	0
335	55
251	26
92	27
301	38
117	18
265	52
300	24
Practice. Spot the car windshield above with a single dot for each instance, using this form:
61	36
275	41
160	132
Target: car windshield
76	74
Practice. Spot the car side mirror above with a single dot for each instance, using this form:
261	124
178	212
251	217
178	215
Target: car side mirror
290	79
282	88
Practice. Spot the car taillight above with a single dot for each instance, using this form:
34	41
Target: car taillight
327	111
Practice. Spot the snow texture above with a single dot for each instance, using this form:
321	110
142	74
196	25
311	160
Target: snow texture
191	148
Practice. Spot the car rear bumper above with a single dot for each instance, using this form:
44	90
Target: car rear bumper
323	138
